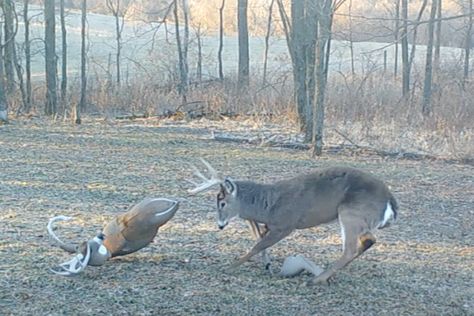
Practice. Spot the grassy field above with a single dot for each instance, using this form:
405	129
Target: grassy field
423	265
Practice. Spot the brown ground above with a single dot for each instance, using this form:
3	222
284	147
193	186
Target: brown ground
423	265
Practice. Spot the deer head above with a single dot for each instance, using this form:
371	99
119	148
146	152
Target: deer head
228	205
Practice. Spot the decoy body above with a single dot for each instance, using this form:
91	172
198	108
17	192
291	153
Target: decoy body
126	233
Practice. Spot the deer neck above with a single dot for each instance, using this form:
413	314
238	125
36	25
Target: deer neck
255	200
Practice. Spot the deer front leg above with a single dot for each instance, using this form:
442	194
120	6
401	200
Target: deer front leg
258	232
270	238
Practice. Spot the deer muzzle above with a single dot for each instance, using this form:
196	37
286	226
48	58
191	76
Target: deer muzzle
222	224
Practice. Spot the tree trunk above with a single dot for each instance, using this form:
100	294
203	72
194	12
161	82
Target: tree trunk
21	82
9	45
415	35
467	45
426	108
396	36
186	39
310	38
63	56
299	59
243	71
351	43
82	105
437	49
50	57
267	40
221	40
115	9
26	22
3	97
199	56
404	42
182	87
322	62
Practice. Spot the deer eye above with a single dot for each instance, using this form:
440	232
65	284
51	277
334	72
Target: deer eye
222	204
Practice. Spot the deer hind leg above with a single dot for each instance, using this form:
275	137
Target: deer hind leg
268	240
258	232
356	240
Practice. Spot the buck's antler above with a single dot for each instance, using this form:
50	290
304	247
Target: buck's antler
75	265
79	261
208	182
67	247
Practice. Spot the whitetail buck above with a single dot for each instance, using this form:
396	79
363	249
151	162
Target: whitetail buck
357	199
126	233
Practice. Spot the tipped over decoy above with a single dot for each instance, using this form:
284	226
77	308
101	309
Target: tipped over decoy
126	233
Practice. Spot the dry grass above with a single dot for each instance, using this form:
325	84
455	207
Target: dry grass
421	266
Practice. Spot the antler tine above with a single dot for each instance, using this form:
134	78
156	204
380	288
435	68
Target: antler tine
75	265
211	170
198	173
208	182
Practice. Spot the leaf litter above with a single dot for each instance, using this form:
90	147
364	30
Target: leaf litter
421	265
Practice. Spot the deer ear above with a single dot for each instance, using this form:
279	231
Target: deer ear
229	186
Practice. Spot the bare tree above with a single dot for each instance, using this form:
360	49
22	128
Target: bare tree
404	42
267	39
437	48
50	57
3	97
407	59
26	22
351	42
426	108
468	43
63	54
199	56
299	67
119	14
19	73
244	67
311	21
10	29
10	58
301	34
415	33
326	9
82	103
221	40
396	35
294	37
183	84
185	42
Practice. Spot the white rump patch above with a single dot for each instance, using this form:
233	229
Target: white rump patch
388	215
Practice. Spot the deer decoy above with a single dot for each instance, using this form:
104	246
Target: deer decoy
126	233
360	202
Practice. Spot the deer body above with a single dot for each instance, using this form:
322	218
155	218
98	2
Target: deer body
310	200
359	201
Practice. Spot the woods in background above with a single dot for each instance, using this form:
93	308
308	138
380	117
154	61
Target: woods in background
309	27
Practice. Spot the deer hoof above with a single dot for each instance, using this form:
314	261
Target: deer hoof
268	267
